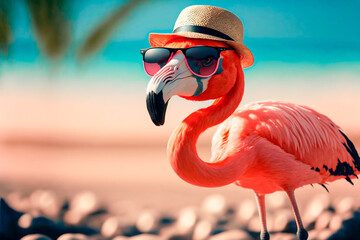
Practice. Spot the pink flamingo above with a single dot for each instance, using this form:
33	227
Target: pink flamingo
264	146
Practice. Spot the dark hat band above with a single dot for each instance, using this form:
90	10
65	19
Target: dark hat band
204	30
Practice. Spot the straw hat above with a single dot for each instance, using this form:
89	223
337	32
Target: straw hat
208	22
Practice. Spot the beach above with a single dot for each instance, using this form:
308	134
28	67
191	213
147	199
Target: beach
102	139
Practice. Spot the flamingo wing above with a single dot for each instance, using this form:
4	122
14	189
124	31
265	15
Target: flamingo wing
312	138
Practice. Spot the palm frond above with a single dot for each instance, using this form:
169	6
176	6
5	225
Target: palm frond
52	29
5	30
104	30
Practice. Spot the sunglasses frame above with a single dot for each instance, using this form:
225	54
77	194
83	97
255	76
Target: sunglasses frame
183	50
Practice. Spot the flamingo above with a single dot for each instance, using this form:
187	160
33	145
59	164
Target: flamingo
265	146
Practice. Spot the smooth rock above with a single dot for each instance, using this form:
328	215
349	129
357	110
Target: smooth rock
278	221
96	237
148	221
112	226
283	236
25	220
73	236
172	231
254	224
324	234
335	222
47	202
315	207
214	204
187	219
179	237
18	201
246	210
120	238
85	203
73	217
203	228
35	237
324	220
146	237
344	205
313	234
118	225
231	234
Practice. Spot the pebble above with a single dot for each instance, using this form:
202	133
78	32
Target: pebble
35	237
146	237
324	220
148	221
18	201
187	218
86	218
25	220
231	234
324	234
254	224
315	207
346	204
112	226
246	210
73	236
335	223
280	220
120	238
214	204
313	234
204	228
46	202
85	203
283	236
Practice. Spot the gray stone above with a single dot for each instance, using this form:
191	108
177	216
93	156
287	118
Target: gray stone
35	237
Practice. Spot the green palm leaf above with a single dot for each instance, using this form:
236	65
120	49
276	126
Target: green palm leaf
5	30
52	29
104	30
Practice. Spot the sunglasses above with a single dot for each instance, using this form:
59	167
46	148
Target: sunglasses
202	61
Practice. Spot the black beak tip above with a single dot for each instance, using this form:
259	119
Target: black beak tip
156	107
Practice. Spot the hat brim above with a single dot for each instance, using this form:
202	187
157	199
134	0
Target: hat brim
159	40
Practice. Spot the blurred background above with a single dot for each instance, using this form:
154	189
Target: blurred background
72	89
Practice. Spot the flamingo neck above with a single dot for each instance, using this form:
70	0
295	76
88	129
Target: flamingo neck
182	151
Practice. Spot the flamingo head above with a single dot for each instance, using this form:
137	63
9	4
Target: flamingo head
175	78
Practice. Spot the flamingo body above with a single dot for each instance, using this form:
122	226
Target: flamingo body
294	144
264	146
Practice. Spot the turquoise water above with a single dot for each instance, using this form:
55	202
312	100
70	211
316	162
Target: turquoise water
286	37
121	61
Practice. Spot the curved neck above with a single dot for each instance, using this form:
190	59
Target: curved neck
182	144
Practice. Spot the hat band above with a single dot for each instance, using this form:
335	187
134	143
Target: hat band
201	29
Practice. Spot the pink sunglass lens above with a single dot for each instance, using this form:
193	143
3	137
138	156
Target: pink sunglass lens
152	68
155	59
208	69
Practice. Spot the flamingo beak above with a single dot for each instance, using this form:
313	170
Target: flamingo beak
156	107
173	79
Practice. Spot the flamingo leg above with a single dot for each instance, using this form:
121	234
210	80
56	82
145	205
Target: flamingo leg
260	199
301	232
